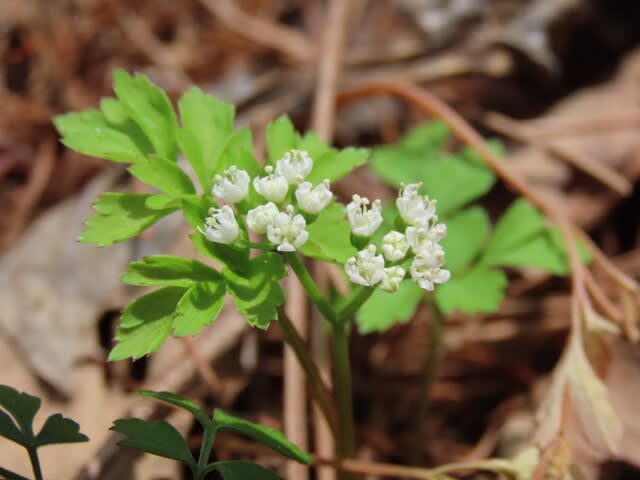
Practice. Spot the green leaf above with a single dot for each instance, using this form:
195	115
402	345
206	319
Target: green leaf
58	429
256	291
118	117
168	270
120	216
146	323
207	123
467	232
329	236
314	145
21	406
239	470
8	429
89	133
281	137
179	401
478	290
150	108
383	309
335	164
163	175
432	135
198	308
159	438
267	436
455	182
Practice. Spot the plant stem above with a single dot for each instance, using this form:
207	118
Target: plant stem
309	285
429	368
353	302
319	391
35	463
342	367
205	453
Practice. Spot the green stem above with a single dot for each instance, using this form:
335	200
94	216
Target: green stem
353	302
429	368
309	285
205	453
35	463
342	367
317	387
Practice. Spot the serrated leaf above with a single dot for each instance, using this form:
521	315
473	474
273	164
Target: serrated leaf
120	216
179	401
256	291
329	236
336	164
58	429
383	309
281	137
478	290
146	323
21	406
89	133
163	175
159	438
538	252
168	270
207	123
239	470
151	109
270	437
467	232
118	117
198	308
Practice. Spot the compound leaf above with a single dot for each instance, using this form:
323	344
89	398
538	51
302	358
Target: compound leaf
58	429
179	401
336	164
159	438
480	289
120	216
467	232
198	307
256	291
281	137
150	108
329	236
383	309
168	270
267	436
163	175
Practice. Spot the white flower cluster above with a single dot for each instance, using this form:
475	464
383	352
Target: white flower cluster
421	239
283	227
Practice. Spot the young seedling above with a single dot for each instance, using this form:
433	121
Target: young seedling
17	412
162	439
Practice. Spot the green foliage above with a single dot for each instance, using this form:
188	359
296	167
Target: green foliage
256	291
477	290
330	236
120	216
17	413
162	439
383	309
328	162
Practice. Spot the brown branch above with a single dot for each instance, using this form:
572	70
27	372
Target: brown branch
289	42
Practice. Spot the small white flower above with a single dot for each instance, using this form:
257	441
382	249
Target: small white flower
394	246
273	187
366	268
364	220
313	199
294	165
414	208
418	236
221	225
426	266
261	217
392	278
232	185
288	231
